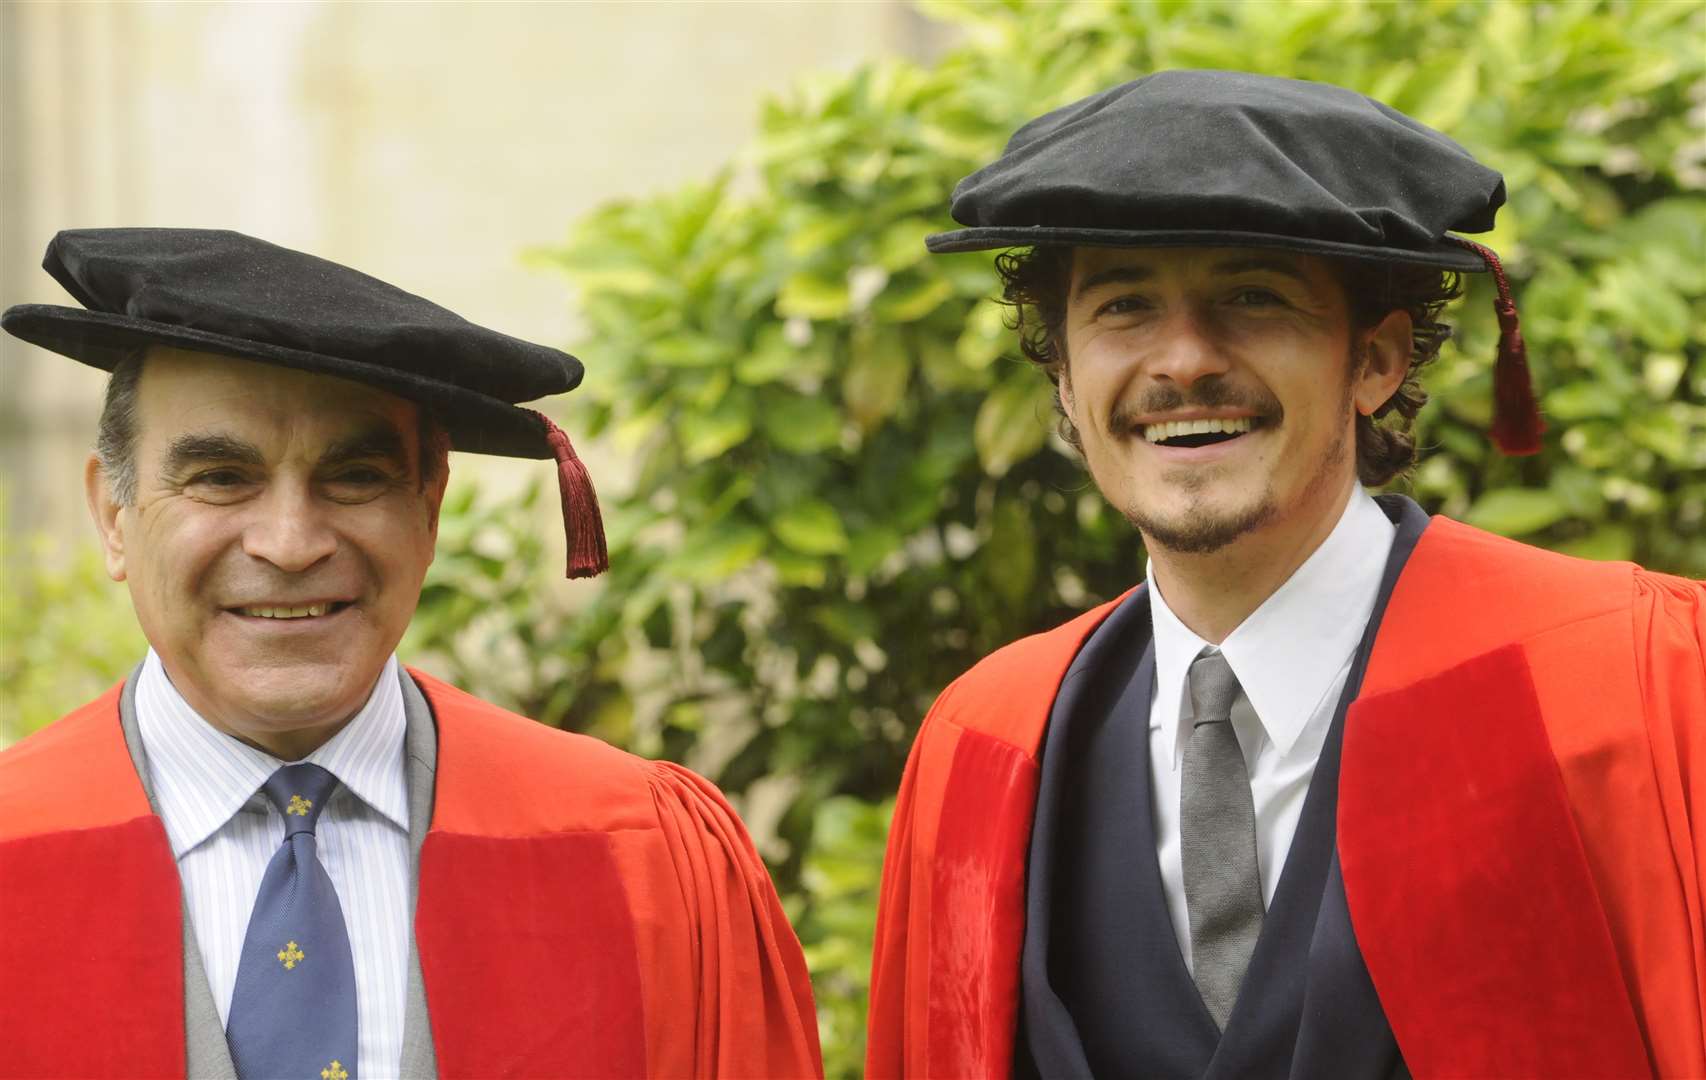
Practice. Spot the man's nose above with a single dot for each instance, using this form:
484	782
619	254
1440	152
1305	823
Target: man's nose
289	530
1187	350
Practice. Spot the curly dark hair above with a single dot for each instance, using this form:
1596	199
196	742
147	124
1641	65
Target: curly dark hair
1034	283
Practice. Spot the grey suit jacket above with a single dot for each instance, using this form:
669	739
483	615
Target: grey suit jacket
208	1054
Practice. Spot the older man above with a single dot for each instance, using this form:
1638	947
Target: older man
1340	790
273	851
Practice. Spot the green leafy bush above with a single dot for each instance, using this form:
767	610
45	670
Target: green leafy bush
845	489
67	632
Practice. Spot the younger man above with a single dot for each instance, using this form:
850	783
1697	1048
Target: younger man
1341	790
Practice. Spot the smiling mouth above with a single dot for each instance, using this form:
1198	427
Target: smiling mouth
1188	434
280	611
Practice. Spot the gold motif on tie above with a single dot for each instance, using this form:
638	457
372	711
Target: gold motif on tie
290	955
298	806
334	1071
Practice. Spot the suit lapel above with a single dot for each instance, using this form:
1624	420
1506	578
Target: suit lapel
206	1051
420	743
1094	879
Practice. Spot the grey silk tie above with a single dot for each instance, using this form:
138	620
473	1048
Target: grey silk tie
1217	833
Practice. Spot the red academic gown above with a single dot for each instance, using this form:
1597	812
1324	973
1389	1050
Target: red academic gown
1519	779
582	912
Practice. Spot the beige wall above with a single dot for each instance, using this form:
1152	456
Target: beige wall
428	144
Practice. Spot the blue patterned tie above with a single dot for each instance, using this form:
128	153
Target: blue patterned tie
293	1009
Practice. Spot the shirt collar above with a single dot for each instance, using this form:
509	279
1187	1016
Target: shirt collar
203	776
1289	652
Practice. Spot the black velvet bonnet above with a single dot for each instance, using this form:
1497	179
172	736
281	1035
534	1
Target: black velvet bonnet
1229	159
221	292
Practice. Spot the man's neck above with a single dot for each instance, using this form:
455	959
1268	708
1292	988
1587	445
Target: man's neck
1213	594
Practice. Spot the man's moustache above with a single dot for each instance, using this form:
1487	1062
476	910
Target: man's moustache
1207	394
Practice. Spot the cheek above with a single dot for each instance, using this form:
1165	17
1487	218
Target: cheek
396	541
1099	373
169	556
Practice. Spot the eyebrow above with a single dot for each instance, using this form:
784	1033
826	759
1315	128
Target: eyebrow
374	442
188	451
1244	264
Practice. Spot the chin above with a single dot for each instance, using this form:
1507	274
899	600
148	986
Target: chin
301	696
1199	528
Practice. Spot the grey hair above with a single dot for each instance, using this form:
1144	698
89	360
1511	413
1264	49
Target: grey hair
115	438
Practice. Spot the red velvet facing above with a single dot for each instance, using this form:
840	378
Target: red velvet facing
516	994
977	899
1450	791
92	965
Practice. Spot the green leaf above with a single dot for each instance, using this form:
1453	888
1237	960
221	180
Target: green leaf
706	434
1011	423
798	570
1516	511
800	423
687	350
901	245
876	377
811	296
811	527
1608	543
1580	401
911	297
868	547
845	622
985	336
1010	555
711	555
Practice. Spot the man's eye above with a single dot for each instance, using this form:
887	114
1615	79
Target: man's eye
1122	305
220	478
1257	298
360	481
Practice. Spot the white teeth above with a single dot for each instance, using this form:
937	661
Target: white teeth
1172	429
286	612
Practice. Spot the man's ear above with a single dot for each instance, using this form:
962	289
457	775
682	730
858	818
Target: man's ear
1384	362
435	497
1064	385
105	511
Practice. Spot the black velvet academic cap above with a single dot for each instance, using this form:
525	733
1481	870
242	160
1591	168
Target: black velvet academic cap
1230	159
221	292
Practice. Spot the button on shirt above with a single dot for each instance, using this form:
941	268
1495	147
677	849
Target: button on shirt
1291	656
224	832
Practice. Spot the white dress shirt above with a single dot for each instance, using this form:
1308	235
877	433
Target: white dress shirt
224	832
1291	656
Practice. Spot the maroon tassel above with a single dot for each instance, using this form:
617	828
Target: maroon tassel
583	525
1516	417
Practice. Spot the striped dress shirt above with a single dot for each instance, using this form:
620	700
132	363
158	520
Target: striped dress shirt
224	832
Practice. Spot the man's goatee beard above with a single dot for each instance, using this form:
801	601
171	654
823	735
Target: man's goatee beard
1200	534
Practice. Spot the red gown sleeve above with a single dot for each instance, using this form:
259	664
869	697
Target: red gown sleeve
1670	657
740	970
